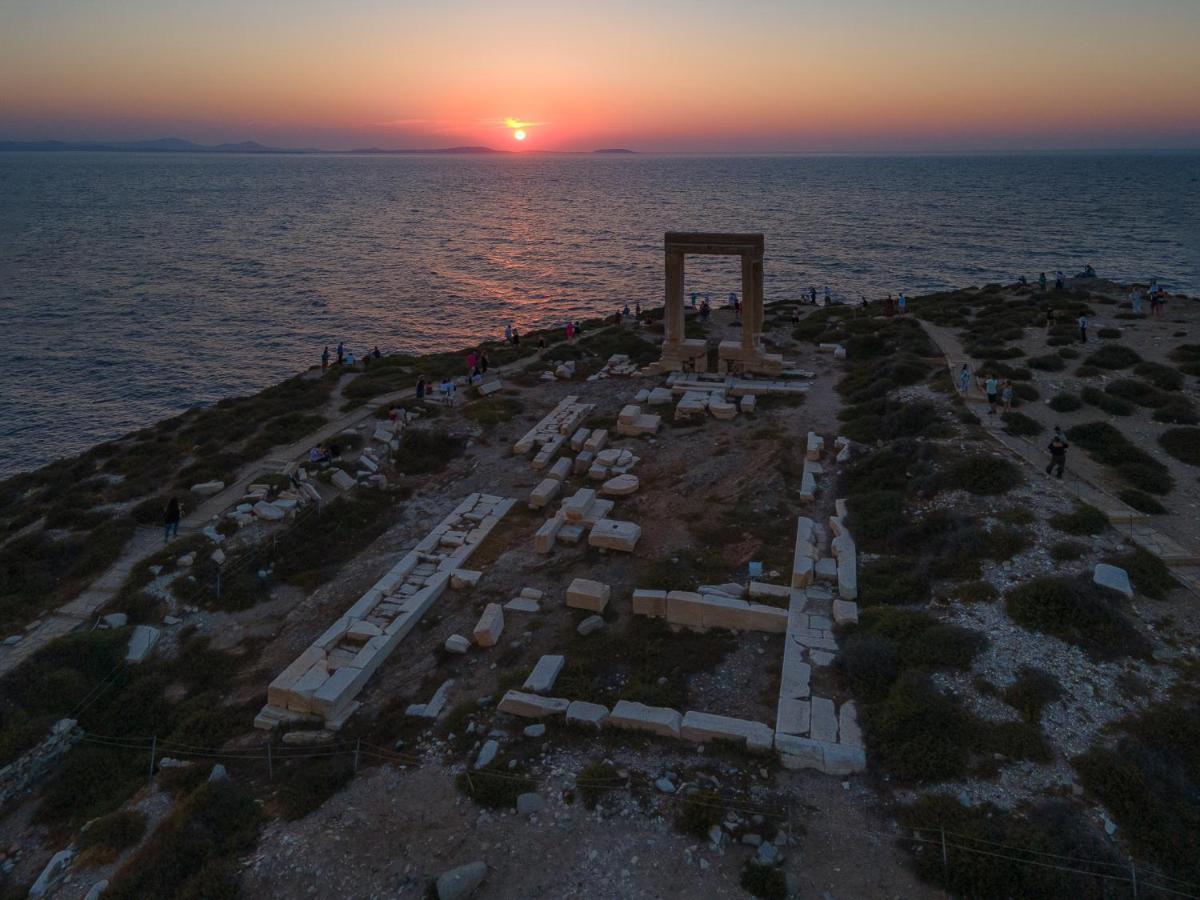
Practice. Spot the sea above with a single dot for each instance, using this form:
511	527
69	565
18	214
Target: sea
136	285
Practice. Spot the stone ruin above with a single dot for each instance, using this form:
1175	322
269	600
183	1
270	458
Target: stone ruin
549	435
324	680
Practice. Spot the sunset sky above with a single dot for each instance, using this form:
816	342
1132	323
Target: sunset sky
669	75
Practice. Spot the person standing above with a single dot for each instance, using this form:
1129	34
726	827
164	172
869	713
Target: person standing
637	308
1006	395
483	361
570	332
1060	281
889	306
964	380
1042	282
325	358
1083	324
472	364
1135	301
693	299
171	517
1058	452
812	296
990	387
421	388
828	296
341	353
508	333
902	303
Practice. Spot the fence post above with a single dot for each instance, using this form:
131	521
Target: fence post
357	745
945	854
270	767
153	748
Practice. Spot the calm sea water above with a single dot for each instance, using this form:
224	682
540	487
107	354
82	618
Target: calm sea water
135	285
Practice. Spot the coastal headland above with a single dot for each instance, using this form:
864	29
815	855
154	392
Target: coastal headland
584	628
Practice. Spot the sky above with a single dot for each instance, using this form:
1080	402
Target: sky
652	75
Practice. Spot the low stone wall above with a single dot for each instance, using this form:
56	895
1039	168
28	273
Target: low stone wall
19	775
324	680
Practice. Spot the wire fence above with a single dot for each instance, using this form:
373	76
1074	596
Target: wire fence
952	846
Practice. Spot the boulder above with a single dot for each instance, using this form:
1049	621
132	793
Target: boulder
208	488
589	625
460	883
464	579
532	706
456	643
268	512
543	676
141	642
580	712
115	620
487	754
621	486
341	480
612	534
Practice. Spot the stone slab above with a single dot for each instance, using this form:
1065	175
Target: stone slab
544	674
640	717
532	706
702	727
591	715
491	624
583	593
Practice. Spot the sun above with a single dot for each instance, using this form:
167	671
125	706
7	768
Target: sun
519	134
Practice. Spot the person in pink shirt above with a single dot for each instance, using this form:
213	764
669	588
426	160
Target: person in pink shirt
471	360
570	332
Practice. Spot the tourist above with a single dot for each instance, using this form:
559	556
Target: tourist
733	300
812	296
1042	282
617	317
1135	301
889	306
570	332
542	342
828	296
341	353
1006	395
990	387
171	519
421	388
964	380
508	333
325	358
1023	281
705	311
902	303
625	311
578	329
472	363
637	307
483	361
516	338
1082	322
693	299
1060	281
447	390
375	354
350	359
1058	452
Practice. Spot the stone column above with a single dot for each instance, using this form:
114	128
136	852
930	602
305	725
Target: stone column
749	317
756	277
673	299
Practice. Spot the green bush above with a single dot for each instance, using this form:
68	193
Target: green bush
1177	411
1050	363
918	734
1141	501
893	580
1033	689
1149	574
1114	406
188	854
309	783
1135	391
1143	476
494	790
974	592
1067	551
766	882
875	515
1076	611
700	811
596	781
1114	356
983	474
1065	402
1048	830
107	836
1026	393
1163	377
1188	357
493	410
1107	445
1182	443
423	451
1020	425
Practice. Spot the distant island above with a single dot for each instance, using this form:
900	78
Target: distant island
178	145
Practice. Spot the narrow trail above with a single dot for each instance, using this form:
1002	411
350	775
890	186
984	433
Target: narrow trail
147	540
1083	475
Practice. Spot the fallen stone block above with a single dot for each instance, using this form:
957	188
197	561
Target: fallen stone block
560	470
590	595
612	534
703	727
576	506
802	572
208	488
845	612
544	674
491	624
578	438
596	441
543	539
660	396
826	569
792	716
824	723
341	480
685	608
816	446
1114	578
748	403
268	512
522	605
621	486
843	759
639	717
141	642
762	589
545	492
591	715
583	462
650	603
464	579
532	706
800	752
721	409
